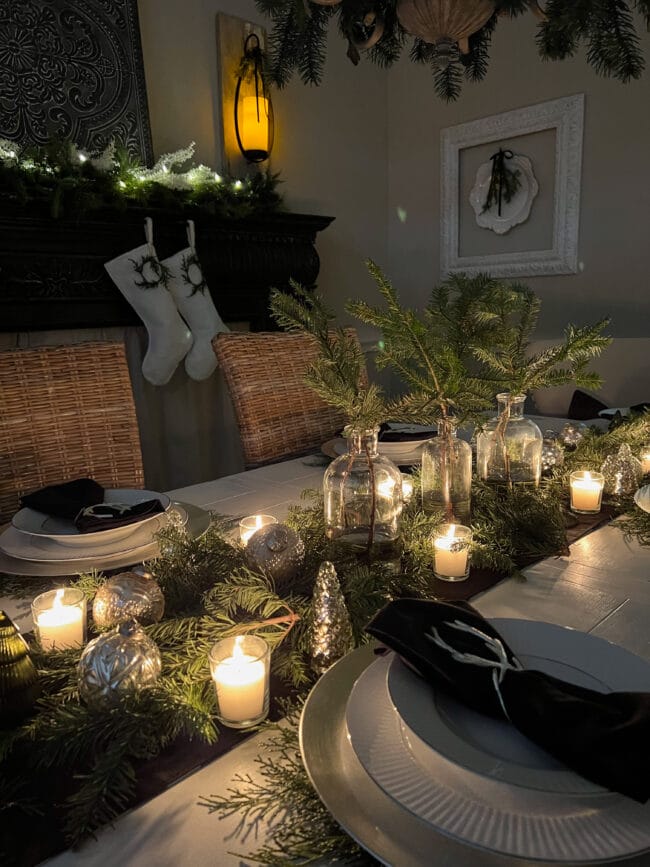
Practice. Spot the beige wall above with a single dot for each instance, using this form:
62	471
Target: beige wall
614	245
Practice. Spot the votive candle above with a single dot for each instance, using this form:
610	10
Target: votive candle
240	669
451	552
60	618
586	491
253	523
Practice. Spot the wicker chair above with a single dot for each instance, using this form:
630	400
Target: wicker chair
66	412
278	415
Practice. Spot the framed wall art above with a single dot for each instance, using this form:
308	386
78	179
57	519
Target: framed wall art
72	69
510	191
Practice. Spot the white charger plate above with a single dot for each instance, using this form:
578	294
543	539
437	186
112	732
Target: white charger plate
197	523
581	828
32	523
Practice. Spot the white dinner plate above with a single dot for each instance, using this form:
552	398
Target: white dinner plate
594	826
32	523
197	523
402	453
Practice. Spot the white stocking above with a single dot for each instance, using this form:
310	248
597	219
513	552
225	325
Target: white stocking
141	278
187	284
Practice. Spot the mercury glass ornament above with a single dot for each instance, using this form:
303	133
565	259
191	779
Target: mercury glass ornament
622	472
362	492
277	551
116	663
572	433
509	447
128	596
19	686
552	452
331	629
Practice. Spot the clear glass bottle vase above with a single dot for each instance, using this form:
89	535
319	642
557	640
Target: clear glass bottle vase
447	475
363	496
509	448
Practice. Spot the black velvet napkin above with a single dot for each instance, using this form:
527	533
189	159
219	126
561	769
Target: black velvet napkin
388	435
107	516
65	500
604	737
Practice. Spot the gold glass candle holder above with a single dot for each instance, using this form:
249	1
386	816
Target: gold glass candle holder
240	667
60	618
451	546
586	491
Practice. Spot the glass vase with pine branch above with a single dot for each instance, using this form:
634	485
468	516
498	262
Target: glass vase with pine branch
363	497
447	474
509	447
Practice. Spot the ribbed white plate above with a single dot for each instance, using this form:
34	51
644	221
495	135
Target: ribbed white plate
485	812
36	524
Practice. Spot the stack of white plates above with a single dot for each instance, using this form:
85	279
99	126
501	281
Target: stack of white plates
447	785
38	544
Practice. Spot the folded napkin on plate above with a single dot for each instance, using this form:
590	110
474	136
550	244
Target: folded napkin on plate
390	435
107	516
604	737
65	500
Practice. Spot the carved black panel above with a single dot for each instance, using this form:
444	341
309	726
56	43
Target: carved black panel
73	69
52	271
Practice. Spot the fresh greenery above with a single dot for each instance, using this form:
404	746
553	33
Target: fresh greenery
87	762
63	181
339	373
300	31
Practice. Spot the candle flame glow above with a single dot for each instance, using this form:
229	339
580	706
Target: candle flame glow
237	651
587	476
58	598
451	532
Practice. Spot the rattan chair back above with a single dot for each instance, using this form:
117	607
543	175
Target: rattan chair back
66	412
278	414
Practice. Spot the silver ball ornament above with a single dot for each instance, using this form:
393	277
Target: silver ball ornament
622	472
572	433
128	596
277	551
116	663
552	452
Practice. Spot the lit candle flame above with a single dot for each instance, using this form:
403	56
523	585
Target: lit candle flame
58	598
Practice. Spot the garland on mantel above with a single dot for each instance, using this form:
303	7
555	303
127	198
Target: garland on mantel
64	180
211	593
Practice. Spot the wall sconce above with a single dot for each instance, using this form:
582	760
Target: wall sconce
253	106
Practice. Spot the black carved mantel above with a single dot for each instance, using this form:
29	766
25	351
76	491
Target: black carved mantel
52	274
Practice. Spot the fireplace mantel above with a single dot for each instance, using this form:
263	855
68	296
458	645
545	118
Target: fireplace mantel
52	274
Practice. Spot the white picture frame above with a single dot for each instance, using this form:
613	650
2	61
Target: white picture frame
566	117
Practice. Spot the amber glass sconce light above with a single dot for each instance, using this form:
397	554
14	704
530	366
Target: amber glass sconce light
253	106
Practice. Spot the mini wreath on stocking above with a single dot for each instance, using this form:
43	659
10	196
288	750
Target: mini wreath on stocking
151	271
192	274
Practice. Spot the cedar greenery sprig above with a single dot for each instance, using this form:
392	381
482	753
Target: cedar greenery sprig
606	29
338	375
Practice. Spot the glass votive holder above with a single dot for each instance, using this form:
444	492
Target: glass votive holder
644	457
451	545
240	667
586	491
407	487
60	618
253	523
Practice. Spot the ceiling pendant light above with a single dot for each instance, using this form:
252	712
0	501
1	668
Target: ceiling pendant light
444	24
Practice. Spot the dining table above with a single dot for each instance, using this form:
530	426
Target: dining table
602	587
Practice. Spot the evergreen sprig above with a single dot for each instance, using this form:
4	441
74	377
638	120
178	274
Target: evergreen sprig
338	375
605	27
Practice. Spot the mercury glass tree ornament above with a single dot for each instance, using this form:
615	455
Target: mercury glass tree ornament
331	627
116	663
622	472
363	497
128	596
509	448
277	551
447	474
19	685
